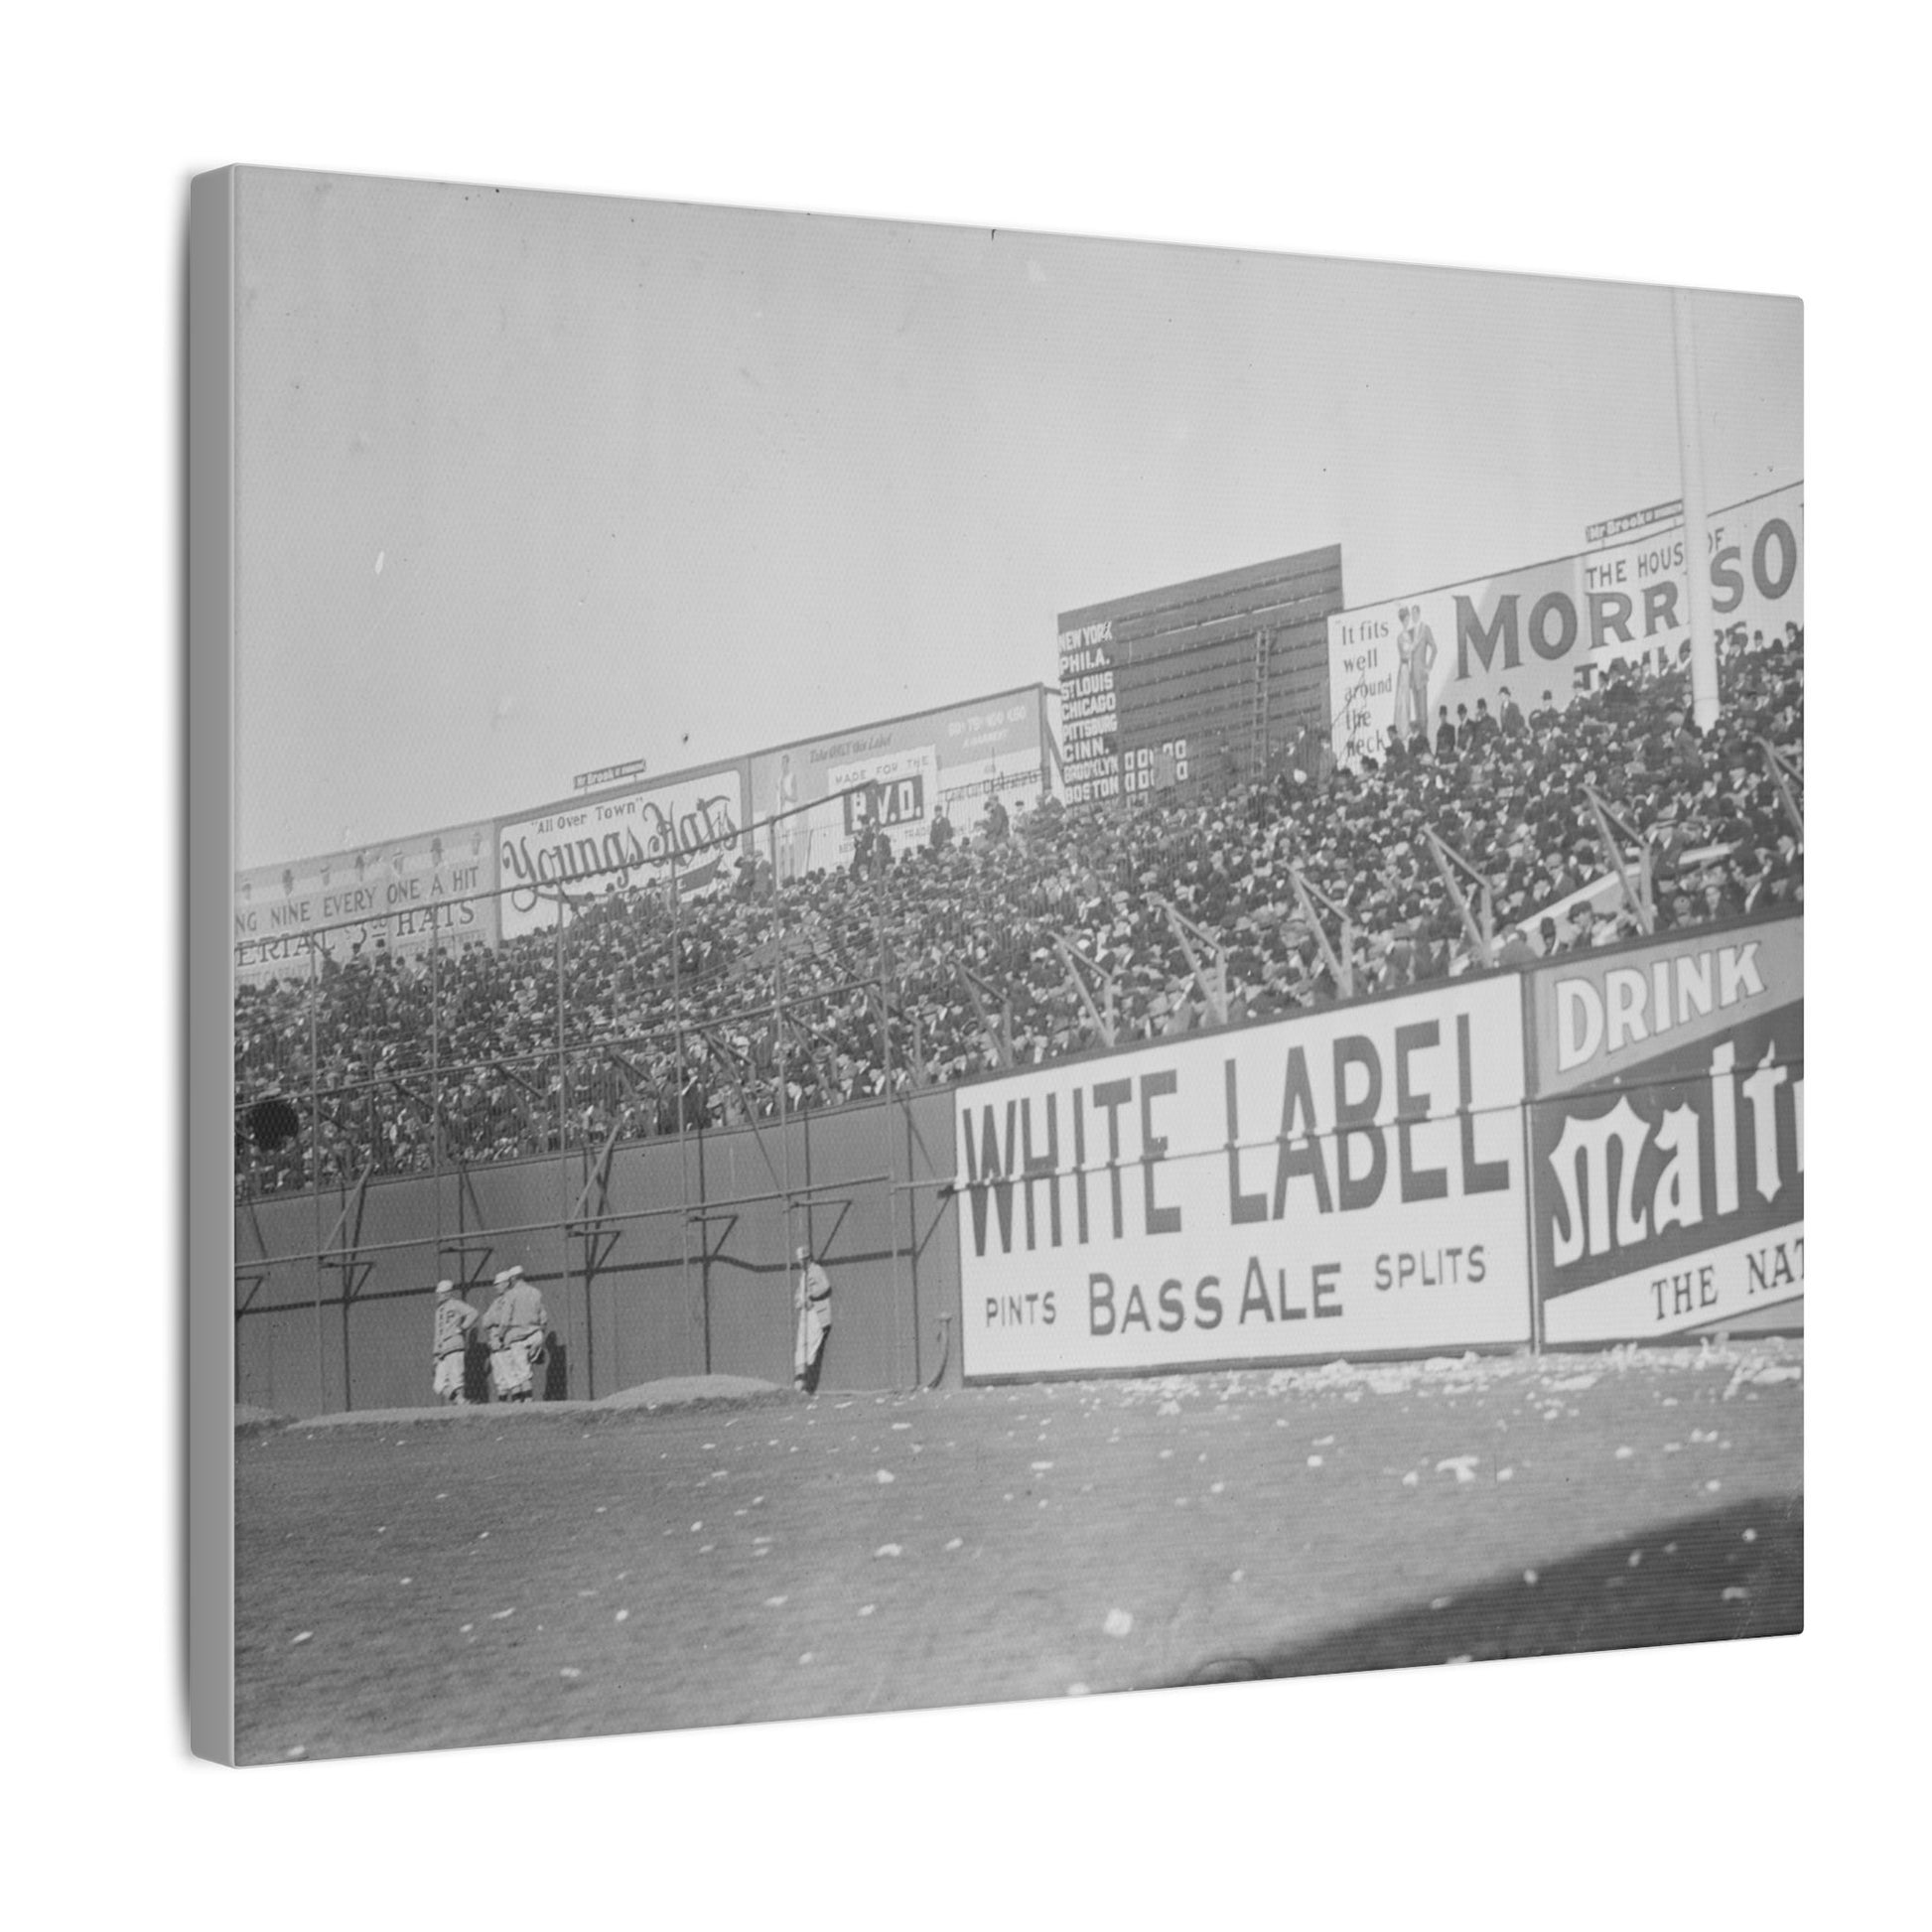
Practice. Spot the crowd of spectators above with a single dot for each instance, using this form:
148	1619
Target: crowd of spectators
671	1023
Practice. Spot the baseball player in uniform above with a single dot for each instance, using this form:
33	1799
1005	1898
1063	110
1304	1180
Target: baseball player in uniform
514	1329
449	1343
813	1302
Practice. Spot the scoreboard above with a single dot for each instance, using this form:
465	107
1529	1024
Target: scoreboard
1209	678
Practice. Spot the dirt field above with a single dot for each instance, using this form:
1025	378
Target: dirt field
419	1584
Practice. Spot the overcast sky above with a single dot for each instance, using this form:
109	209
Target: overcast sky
533	483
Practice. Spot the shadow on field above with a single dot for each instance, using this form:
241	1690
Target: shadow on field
1737	1572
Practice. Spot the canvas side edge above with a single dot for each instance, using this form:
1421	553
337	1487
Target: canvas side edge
209	1005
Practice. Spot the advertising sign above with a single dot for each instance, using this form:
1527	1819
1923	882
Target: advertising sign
1554	628
580	851
389	897
1403	663
608	774
1667	1136
957	758
892	791
1613	527
1333	1183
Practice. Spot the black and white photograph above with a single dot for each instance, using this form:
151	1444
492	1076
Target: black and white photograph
909	976
974	965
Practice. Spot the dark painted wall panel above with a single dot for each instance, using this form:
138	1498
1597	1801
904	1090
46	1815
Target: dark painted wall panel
683	1268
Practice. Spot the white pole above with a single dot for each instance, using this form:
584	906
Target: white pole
1697	548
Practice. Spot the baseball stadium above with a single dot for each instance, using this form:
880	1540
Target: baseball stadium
1278	1150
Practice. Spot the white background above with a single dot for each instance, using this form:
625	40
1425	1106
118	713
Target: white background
1771	148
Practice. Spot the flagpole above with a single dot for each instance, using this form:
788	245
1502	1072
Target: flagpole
1696	547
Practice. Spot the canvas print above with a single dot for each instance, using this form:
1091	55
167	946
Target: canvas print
970	965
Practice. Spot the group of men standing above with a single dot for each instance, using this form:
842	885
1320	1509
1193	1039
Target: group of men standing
514	1329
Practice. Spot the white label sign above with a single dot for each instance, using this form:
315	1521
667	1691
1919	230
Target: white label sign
1330	1184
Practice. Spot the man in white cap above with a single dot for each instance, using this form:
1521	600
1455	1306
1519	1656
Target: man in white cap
813	1301
449	1343
514	1326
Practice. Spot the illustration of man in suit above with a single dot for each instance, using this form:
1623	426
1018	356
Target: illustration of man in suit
1414	646
786	835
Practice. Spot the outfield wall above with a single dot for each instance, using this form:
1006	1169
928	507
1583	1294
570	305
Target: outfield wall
1606	1149
1496	1161
1667	1136
652	1291
1347	1182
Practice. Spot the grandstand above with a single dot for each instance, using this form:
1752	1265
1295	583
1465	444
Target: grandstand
644	1013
